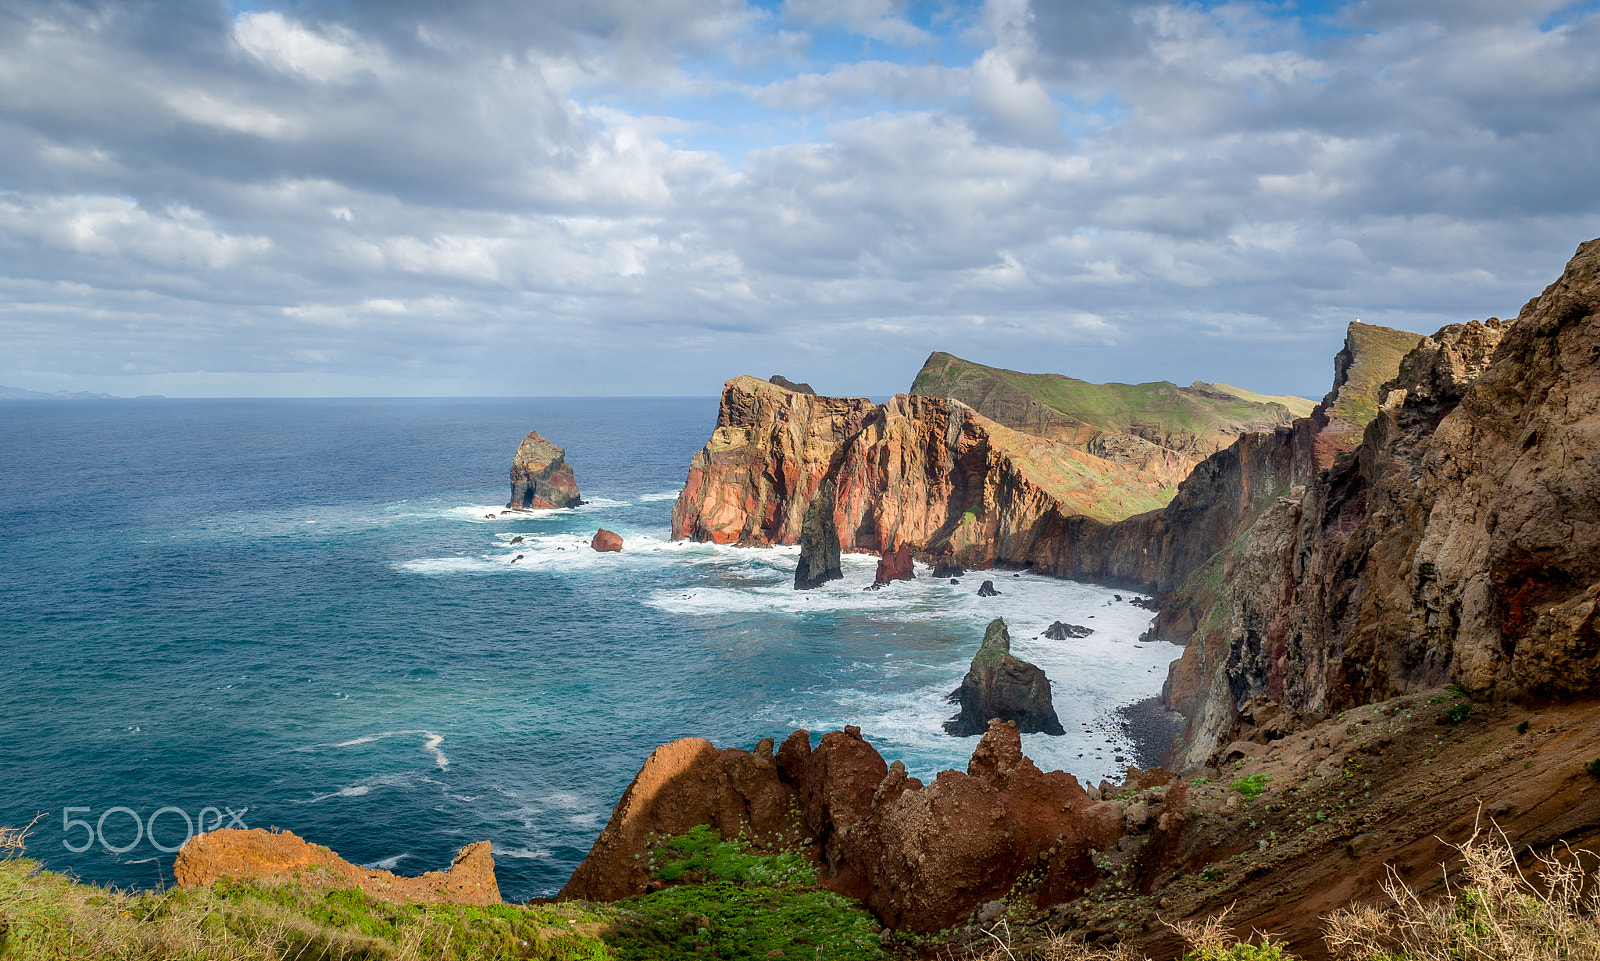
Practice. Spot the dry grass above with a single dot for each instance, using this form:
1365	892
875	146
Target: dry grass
1495	914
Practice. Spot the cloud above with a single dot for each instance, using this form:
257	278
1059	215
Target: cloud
632	196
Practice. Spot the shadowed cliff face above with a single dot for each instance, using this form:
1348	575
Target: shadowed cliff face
1456	543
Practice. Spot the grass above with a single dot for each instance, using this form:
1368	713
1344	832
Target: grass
1251	786
48	915
726	902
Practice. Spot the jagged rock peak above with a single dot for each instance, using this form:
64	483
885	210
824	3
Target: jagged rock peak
819	543
999	686
540	476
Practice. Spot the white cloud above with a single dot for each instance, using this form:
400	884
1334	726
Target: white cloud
326	57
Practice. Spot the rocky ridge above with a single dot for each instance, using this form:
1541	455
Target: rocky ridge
1453	543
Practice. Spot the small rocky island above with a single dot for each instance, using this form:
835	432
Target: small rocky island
540	476
999	686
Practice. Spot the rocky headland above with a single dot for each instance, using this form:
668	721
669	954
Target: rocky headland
540	476
1002	687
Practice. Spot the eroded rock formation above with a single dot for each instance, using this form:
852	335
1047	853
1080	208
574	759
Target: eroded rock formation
819	543
257	854
921	856
540	477
1000	686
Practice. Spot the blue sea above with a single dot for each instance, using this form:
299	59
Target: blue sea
309	615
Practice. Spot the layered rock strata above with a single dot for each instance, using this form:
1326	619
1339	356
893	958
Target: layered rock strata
1000	686
257	854
540	476
922	857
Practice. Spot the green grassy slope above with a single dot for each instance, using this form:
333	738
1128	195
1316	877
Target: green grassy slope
1113	408
1370	358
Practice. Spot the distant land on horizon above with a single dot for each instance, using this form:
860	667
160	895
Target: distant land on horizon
22	393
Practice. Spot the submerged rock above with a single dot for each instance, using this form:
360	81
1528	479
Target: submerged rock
999	686
540	477
1060	632
819	543
606	541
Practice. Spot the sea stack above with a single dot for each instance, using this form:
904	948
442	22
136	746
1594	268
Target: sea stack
540	477
819	543
606	542
894	565
999	686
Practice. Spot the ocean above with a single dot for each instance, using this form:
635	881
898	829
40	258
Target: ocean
297	614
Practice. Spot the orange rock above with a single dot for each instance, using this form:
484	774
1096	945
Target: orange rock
606	541
259	854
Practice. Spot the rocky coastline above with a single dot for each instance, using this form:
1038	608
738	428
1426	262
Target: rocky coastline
1389	617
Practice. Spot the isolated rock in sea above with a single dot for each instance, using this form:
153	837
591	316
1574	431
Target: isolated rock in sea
999	686
819	543
257	854
894	565
948	567
922	858
986	589
788	384
1060	632
540	477
606	541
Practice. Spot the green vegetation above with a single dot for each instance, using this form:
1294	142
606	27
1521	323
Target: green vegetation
1592	768
747	905
1159	405
1456	714
48	915
1298	406
1251	786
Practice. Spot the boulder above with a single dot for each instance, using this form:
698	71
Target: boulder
819	543
999	686
540	477
948	567
986	589
894	565
1060	632
257	854
606	541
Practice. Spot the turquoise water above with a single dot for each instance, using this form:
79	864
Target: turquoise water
295	614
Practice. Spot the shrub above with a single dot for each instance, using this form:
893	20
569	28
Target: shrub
1252	786
1498	914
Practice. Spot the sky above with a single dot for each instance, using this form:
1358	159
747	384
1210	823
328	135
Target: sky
648	197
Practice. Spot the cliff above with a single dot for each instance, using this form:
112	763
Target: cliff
1454	543
540	477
